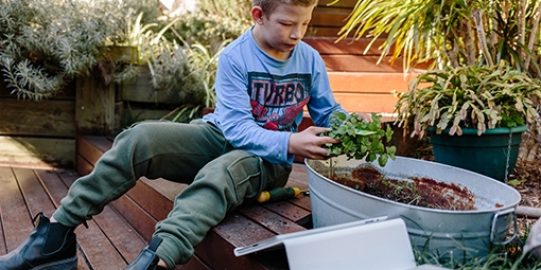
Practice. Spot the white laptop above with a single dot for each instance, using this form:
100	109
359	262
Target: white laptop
375	244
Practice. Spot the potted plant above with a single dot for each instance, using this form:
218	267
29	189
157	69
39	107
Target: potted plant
474	114
453	34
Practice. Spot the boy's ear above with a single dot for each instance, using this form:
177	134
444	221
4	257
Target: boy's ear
257	14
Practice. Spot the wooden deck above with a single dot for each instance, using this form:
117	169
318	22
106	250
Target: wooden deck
116	236
109	242
150	201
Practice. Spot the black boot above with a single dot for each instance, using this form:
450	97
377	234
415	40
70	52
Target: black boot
50	246
147	259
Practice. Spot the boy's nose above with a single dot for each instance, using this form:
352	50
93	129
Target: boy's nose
296	33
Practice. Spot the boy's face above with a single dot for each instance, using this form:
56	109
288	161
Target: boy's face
278	32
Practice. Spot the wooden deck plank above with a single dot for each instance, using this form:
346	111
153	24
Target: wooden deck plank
289	211
94	244
89	149
270	220
168	189
3	249
100	142
138	217
235	231
194	264
51	178
303	202
39	200
16	220
82	263
35	196
83	167
157	205
120	233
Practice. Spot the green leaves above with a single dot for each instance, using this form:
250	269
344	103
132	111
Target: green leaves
361	139
476	96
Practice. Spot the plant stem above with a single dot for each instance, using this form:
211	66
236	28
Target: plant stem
481	35
533	36
331	168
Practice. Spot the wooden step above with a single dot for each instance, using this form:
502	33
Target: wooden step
150	201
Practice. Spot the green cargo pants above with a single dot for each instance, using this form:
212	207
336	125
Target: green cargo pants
220	178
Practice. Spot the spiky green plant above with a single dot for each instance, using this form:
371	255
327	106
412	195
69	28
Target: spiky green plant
452	32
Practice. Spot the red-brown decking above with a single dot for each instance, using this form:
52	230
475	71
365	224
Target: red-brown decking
117	235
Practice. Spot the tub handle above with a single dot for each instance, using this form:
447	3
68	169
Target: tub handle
513	214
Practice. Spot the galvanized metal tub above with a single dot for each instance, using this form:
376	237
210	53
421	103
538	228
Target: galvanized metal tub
448	234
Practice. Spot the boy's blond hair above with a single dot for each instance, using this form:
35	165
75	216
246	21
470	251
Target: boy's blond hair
268	6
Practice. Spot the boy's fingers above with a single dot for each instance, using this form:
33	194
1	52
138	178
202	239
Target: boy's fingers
322	153
326	140
318	130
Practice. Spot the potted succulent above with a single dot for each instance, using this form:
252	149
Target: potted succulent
474	114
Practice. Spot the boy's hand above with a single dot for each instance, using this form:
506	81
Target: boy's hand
308	144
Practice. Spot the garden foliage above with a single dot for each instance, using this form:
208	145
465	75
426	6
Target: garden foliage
361	139
44	44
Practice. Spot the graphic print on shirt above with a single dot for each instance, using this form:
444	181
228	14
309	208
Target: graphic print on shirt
277	100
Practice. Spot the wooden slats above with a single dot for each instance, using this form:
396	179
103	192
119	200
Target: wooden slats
368	103
328	19
120	233
15	217
140	219
94	244
48	118
217	248
94	105
52	181
34	151
329	16
35	197
331	45
109	242
34	127
366	82
271	220
151	200
341	3
3	249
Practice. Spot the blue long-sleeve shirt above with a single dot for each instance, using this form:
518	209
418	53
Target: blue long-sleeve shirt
260	99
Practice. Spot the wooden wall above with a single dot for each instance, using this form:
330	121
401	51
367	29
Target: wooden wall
328	19
36	132
361	81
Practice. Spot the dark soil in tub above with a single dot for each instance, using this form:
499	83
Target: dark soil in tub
424	192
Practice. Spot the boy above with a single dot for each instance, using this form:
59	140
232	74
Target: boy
264	79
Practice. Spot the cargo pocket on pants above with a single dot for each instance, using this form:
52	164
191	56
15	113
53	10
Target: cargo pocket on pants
245	174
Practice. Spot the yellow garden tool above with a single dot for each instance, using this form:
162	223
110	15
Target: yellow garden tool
281	193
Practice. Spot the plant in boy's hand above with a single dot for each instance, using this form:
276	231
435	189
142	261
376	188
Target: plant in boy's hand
361	139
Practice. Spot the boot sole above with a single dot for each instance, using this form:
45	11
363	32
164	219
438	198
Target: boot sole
67	264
